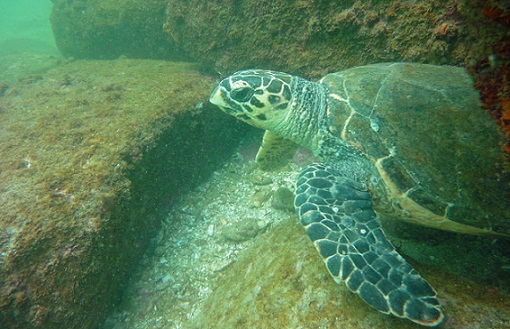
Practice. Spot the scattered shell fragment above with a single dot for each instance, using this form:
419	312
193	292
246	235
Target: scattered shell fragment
261	180
260	197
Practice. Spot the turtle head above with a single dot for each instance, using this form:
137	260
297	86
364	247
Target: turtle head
261	98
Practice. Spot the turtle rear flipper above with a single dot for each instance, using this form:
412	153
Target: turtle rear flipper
337	214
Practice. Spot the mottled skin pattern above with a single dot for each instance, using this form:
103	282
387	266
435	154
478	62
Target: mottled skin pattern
351	121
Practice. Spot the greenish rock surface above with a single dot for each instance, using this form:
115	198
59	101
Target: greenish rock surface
93	155
280	282
109	29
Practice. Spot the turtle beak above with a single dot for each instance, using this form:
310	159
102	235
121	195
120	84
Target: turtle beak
216	97
220	98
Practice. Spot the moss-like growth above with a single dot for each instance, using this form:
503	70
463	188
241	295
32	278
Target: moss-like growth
93	153
312	38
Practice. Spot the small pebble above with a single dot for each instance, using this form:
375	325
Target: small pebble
210	230
167	278
261	180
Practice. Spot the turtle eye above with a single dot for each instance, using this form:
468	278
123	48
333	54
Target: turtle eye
242	94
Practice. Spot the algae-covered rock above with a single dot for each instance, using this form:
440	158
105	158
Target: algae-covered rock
283	198
312	38
280	282
109	29
303	37
93	155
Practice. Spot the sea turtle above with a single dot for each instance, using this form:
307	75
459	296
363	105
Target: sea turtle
404	139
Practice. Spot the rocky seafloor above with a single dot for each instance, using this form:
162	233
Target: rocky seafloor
231	254
92	154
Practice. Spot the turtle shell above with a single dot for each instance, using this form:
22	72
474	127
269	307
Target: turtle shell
438	154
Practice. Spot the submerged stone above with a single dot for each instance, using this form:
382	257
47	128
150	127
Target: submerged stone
283	198
279	282
93	153
243	230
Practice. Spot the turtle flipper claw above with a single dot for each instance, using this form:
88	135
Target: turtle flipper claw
337	214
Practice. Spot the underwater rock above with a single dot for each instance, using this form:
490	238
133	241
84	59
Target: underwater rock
109	29
313	38
93	153
283	198
260	197
280	282
261	180
303	37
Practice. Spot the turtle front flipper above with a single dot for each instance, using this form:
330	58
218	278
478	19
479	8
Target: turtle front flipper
337	214
275	151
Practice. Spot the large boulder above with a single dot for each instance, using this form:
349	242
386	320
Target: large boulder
93	155
315	37
109	29
303	37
